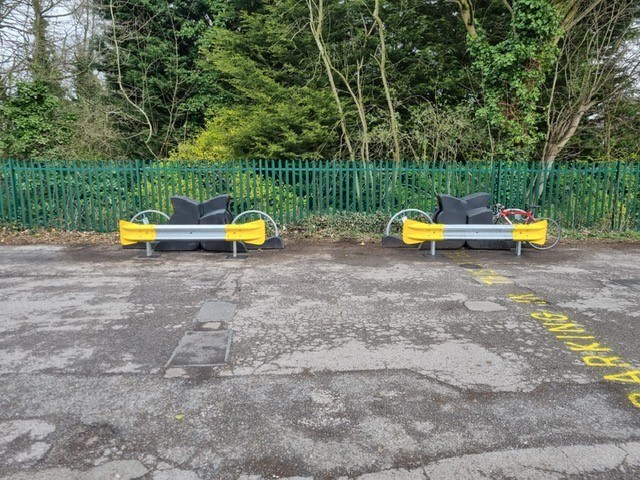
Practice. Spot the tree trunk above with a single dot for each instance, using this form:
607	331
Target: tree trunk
557	138
316	30
466	11
383	74
40	61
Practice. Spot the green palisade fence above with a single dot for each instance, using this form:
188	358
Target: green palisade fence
94	195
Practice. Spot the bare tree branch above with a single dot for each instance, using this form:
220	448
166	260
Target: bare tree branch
121	86
316	21
382	61
595	66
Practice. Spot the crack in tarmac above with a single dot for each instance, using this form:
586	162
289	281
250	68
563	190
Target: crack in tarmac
262	416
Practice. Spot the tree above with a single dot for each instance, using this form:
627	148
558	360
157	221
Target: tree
611	131
31	121
381	59
150	62
37	39
513	70
562	57
34	112
263	103
598	63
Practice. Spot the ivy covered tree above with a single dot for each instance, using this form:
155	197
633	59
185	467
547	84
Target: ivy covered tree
34	114
33	121
541	75
513	67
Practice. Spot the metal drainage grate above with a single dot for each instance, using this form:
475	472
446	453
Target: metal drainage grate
202	349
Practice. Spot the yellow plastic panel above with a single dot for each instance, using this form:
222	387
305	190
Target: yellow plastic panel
418	232
250	232
131	233
533	232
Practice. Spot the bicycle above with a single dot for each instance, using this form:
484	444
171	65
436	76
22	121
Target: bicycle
509	216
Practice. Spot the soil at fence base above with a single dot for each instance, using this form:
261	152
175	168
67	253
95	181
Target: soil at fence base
10	236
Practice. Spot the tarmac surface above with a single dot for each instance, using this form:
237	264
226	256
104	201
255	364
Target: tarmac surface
344	361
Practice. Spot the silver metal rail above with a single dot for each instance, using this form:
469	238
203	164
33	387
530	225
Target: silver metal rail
193	232
419	232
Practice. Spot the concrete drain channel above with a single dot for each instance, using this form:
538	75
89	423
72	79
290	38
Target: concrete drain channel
207	348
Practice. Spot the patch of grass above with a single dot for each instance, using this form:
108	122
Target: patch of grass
12	235
602	235
340	226
359	226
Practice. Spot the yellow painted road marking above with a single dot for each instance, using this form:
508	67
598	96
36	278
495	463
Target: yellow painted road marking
545	315
566	328
597	361
495	280
632	376
487	276
558	322
561	326
580	337
529	298
592	347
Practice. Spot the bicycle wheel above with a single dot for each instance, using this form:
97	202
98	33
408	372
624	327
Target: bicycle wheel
554	232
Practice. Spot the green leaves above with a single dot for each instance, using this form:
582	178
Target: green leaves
33	121
157	44
263	103
292	125
513	73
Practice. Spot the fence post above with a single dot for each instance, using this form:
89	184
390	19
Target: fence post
614	207
3	218
139	204
498	198
12	176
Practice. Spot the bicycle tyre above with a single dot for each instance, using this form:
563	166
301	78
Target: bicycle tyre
554	233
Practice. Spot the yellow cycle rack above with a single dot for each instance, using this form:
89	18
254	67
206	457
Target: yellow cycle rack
414	232
253	232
